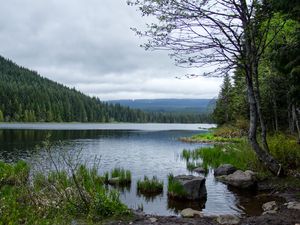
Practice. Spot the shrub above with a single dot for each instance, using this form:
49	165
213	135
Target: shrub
150	186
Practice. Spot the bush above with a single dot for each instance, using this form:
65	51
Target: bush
150	186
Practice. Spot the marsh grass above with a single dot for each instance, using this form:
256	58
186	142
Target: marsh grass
175	188
150	186
118	176
214	138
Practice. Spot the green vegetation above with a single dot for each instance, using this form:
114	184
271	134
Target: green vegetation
175	188
282	148
150	186
55	198
118	176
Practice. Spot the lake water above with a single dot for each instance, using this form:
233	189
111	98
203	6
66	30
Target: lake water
144	149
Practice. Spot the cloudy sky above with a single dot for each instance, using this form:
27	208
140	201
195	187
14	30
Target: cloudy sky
88	44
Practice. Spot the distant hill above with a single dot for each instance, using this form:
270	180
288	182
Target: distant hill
190	106
25	96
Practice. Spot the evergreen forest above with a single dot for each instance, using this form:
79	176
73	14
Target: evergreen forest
25	96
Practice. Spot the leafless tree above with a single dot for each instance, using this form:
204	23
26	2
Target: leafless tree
221	35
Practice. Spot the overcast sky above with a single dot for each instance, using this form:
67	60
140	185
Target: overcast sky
88	44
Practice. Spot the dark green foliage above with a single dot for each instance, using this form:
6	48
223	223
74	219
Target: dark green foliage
150	186
224	105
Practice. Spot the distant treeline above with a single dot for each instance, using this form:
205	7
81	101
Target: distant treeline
25	96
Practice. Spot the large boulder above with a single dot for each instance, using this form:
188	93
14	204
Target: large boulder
194	186
224	169
240	179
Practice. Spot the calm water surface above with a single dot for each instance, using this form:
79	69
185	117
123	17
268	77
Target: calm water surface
144	149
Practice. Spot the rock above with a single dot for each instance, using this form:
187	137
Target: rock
193	186
199	170
153	219
114	180
293	205
270	206
190	213
270	212
240	179
228	219
225	169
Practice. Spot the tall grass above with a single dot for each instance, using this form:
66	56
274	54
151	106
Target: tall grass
150	186
118	176
55	198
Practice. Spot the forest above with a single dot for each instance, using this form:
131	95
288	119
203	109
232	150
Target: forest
25	96
279	79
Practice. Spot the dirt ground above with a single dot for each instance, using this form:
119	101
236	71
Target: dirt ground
283	216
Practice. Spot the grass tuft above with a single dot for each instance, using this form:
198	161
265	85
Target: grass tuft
175	188
150	186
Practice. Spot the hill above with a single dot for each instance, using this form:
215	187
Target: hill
25	96
170	105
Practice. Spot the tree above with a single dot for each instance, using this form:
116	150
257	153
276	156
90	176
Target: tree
1	116
223	110
222	35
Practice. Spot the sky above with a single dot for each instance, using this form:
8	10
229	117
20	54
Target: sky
88	44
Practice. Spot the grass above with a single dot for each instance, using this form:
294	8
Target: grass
223	134
55	198
150	186
118	176
240	154
175	188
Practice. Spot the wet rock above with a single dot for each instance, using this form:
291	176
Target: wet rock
293	205
114	180
199	170
153	219
193	186
190	213
270	206
269	212
240	179
225	169
228	219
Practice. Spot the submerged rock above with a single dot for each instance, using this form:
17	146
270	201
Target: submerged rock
199	170
193	186
224	169
240	179
228	219
114	180
190	213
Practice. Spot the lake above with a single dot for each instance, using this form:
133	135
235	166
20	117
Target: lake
144	149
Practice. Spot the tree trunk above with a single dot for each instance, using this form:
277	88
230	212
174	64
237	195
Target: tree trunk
262	155
259	109
295	118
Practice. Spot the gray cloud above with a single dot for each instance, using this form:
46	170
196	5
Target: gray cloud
87	44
